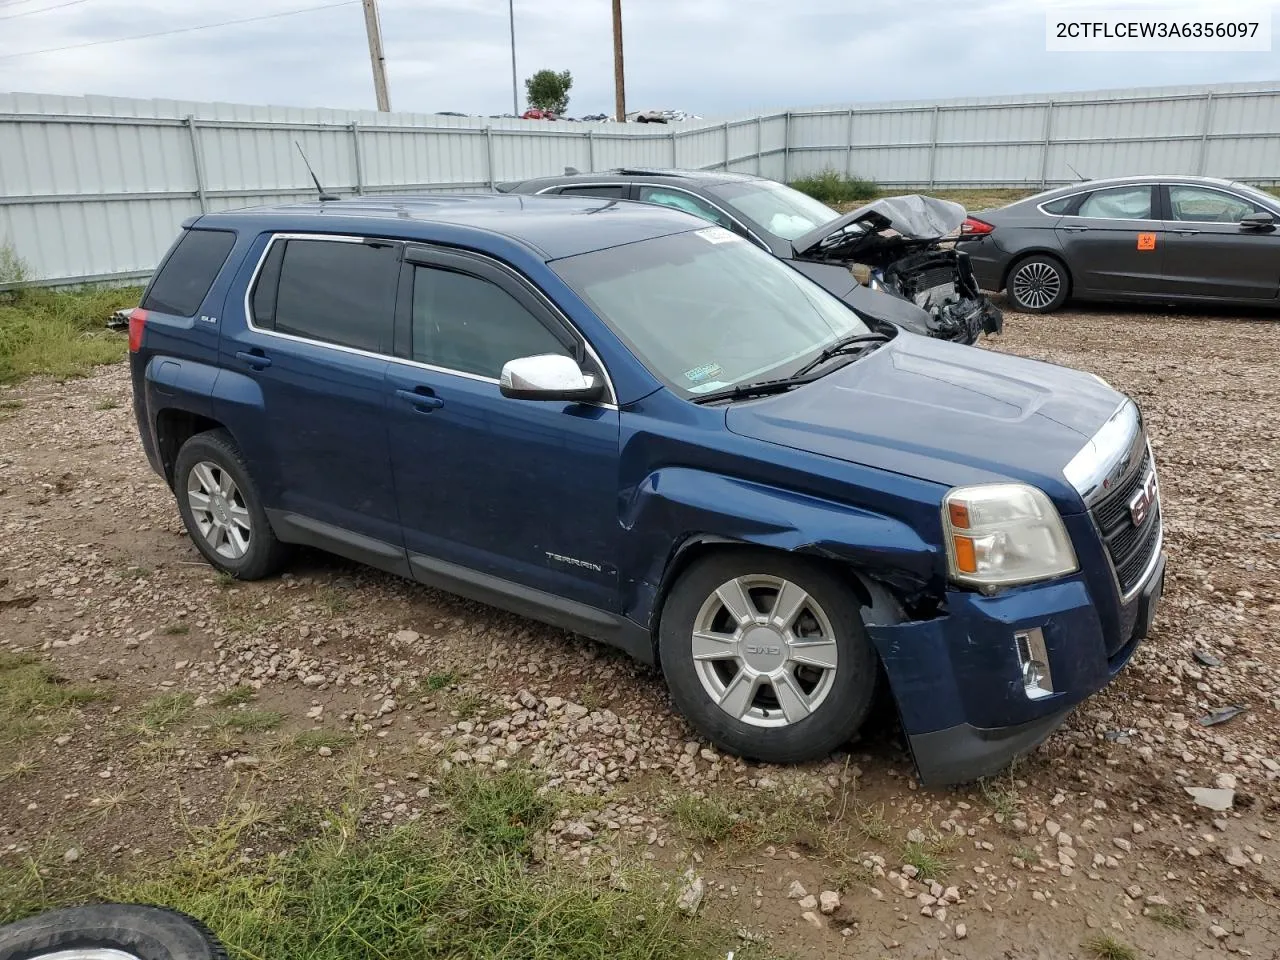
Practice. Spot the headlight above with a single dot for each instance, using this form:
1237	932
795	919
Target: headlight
999	534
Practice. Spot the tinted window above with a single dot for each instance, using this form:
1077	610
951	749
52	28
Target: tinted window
1118	203
1200	205
332	291
611	191
189	272
684	201
461	322
1059	206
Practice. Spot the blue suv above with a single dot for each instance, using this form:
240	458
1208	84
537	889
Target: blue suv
618	420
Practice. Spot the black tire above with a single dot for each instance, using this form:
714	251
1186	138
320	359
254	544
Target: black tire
265	554
833	722
1048	275
144	932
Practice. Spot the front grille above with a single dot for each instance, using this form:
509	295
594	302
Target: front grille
1130	548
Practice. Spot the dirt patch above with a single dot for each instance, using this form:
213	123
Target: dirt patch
335	680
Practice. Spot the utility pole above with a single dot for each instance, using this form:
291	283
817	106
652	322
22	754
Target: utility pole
373	27
515	96
619	91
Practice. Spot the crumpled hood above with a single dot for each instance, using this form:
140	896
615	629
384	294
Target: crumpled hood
941	412
913	216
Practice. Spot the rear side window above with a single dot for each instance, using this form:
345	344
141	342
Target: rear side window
334	291
1118	203
610	191
1059	206
188	272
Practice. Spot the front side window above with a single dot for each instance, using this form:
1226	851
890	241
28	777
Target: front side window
1118	203
1200	205
706	309
781	210
188	272
334	291
687	202
464	323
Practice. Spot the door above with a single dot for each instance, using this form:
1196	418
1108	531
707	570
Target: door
519	491
1209	254
1113	242
321	318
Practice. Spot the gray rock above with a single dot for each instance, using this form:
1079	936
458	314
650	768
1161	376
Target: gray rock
71	856
796	891
1236	857
1213	799
813	919
808	903
829	901
691	894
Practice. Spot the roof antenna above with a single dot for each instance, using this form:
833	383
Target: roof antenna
1082	179
314	179
571	171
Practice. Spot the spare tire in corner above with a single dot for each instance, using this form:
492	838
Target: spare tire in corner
110	931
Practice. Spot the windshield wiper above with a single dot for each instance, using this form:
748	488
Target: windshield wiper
843	345
762	388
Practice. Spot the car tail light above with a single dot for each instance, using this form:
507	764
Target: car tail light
973	227
137	323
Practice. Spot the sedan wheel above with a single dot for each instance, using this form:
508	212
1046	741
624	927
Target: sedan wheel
766	654
1038	285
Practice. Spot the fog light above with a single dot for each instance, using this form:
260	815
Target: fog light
1033	658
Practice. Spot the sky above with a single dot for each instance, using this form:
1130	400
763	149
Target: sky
709	57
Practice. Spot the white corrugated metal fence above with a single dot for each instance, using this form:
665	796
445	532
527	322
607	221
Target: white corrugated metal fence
94	188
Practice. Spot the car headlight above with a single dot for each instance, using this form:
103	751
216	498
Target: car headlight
999	534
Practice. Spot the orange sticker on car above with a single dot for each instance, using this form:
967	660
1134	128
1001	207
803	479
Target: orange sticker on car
1146	241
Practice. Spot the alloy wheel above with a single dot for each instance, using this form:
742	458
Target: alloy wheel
1036	284
764	650
217	505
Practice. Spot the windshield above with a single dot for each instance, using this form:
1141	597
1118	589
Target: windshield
784	212
707	310
1269	200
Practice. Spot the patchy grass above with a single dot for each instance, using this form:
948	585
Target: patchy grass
309	741
107	404
247	721
870	822
1175	918
833	187
19	769
1026	855
702	819
224	581
471	706
34	699
1103	946
168	709
60	333
234	697
498	813
333	601
438	681
924	857
175	629
1003	797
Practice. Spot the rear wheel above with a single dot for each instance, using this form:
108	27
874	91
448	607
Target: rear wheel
1038	284
767	656
110	931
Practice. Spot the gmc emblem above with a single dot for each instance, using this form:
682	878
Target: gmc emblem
1141	503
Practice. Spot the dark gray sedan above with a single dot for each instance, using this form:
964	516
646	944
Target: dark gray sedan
1167	239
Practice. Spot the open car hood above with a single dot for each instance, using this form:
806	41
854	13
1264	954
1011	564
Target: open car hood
911	217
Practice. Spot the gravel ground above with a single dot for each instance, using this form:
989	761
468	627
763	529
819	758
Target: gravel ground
356	678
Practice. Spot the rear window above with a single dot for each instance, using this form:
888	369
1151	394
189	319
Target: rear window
188	272
335	291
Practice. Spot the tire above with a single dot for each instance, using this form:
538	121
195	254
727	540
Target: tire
819	708
136	931
1038	283
233	532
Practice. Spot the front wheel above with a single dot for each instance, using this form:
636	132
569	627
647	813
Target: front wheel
1038	284
767	656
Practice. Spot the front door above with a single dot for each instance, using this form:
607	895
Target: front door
1114	243
1208	252
312	425
520	491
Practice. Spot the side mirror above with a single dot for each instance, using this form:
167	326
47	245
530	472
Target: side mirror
549	376
1258	221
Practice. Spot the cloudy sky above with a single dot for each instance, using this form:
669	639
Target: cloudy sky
711	57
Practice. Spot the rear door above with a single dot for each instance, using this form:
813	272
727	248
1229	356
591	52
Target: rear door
1209	254
315	345
1114	242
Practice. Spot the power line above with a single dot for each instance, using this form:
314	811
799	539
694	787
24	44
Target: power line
166	33
27	13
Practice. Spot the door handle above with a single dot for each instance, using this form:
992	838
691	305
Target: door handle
422	399
255	359
1075	228
1187	233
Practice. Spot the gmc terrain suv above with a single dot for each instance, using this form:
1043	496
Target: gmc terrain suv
619	420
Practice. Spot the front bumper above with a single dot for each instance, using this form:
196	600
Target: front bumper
958	680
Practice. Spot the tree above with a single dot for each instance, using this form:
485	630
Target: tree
548	90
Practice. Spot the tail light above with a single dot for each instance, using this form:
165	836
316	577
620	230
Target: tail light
137	324
973	227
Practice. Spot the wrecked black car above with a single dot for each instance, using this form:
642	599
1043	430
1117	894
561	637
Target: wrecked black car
913	277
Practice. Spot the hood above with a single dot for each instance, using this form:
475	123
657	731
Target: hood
941	412
911	217
838	280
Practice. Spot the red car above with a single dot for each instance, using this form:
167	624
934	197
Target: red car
533	113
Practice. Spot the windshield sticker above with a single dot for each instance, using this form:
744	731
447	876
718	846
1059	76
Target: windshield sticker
698	374
716	235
